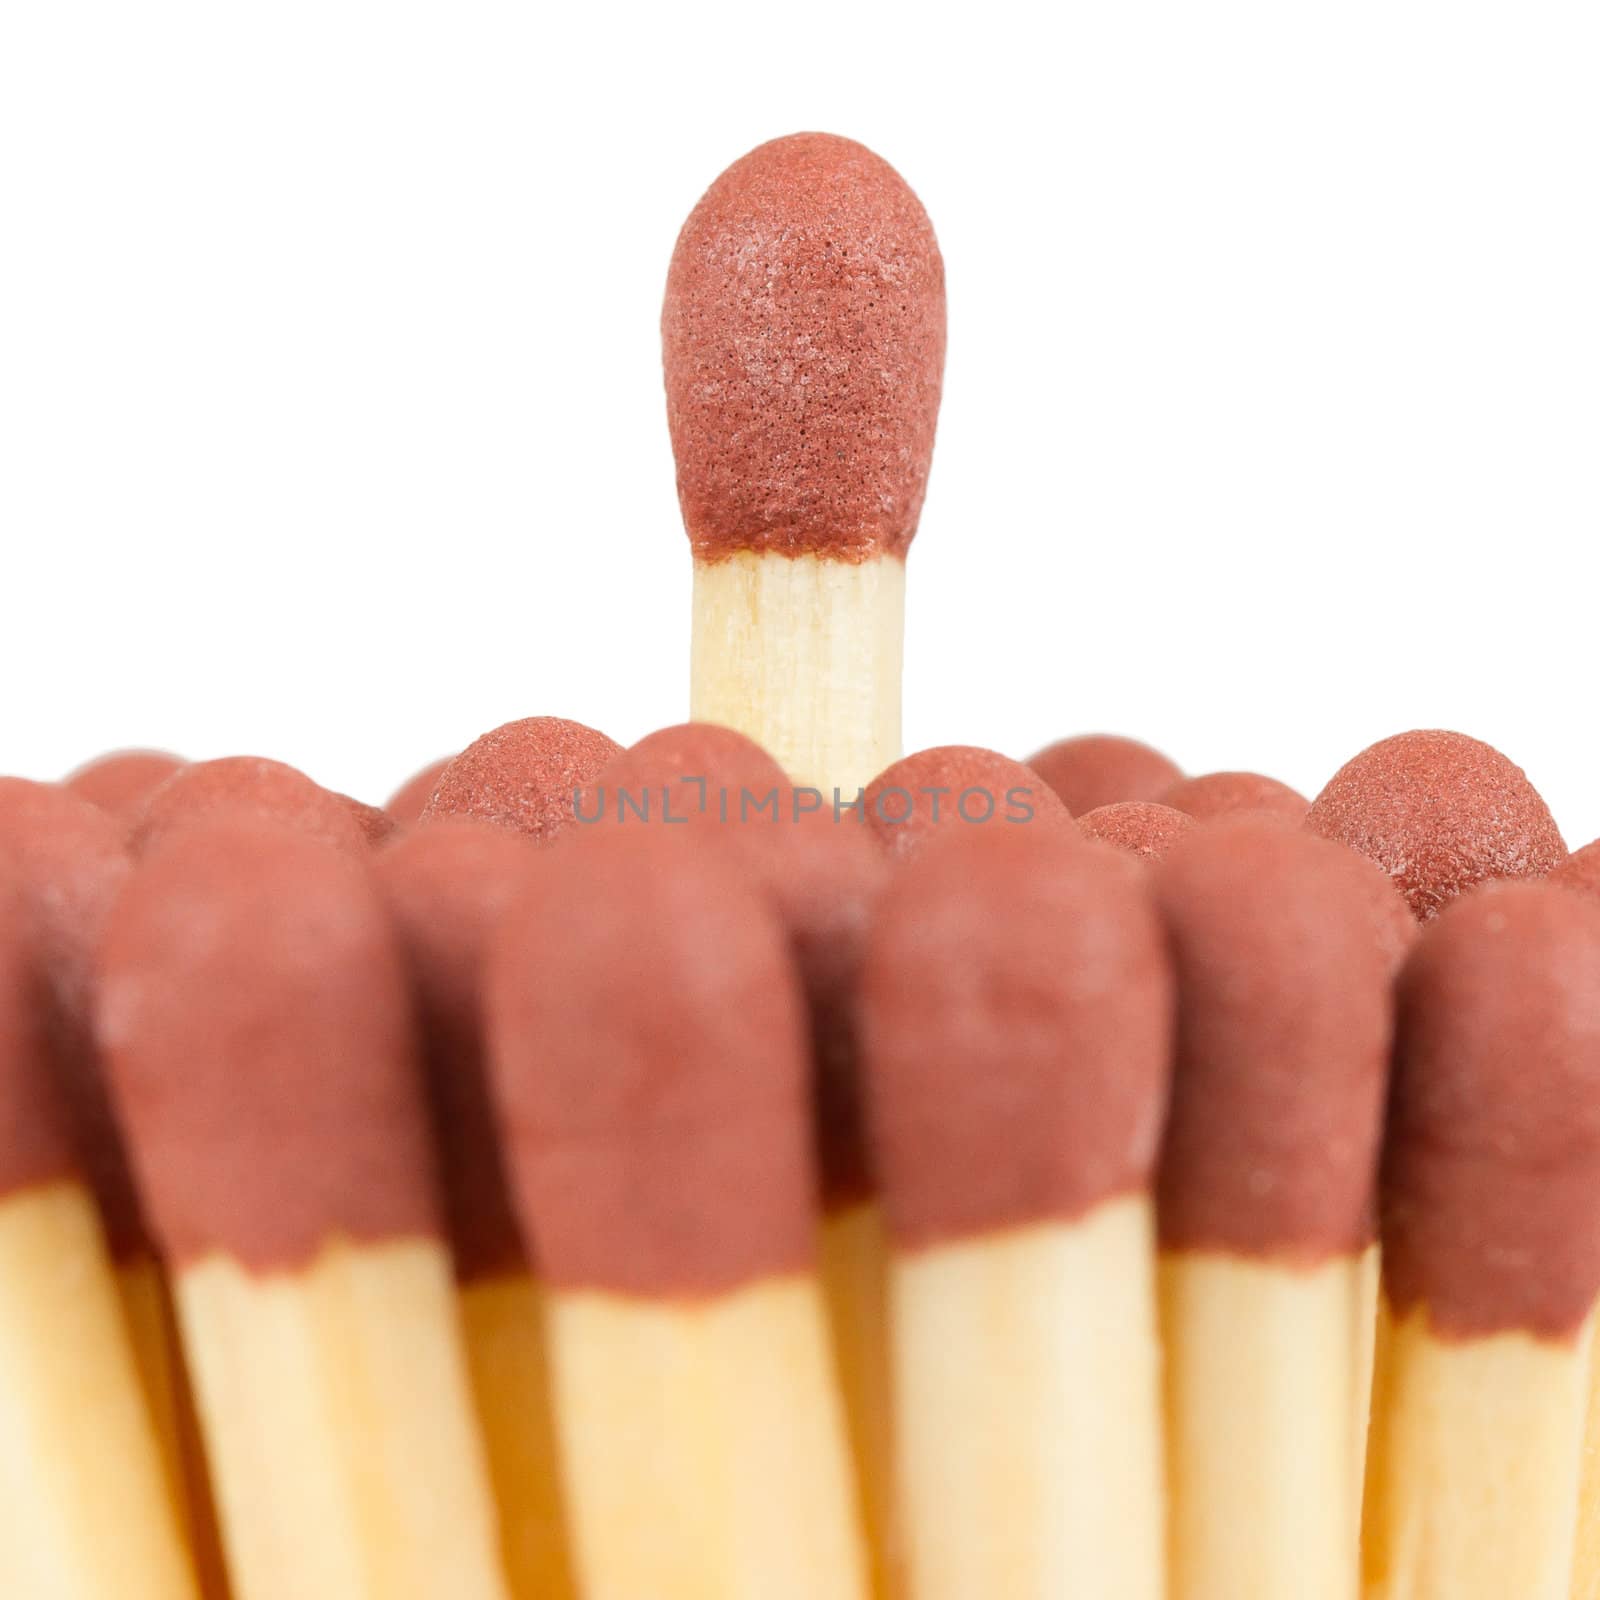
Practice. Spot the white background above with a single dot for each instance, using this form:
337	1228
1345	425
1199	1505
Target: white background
330	410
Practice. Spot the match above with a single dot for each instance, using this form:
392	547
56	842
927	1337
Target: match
803	338
296	1205
1268	1173
649	1049
1017	1023
1490	1206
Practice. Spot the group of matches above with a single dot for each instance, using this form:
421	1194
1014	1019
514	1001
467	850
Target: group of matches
634	1174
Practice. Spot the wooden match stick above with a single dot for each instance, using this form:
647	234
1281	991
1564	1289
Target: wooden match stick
803	339
447	886
69	862
1268	1174
1490	1206
650	1067
259	1040
1017	1020
86	1506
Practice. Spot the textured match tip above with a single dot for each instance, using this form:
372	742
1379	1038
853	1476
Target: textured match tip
123	781
1102	769
649	1058
68	863
245	787
1141	828
1016	1006
803	340
1214	795
447	888
37	1143
957	787
258	1035
1439	812
1284	1026
1491	1174
406	803
692	772
523	775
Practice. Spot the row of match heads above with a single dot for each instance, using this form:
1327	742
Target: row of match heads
667	989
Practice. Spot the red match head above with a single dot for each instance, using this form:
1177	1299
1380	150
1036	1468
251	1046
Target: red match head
447	887
957	787
649	1063
67	862
246	786
1581	870
1491	1174
1141	828
693	772
1439	812
258	1035
123	781
1230	794
1284	1025
803	339
1101	769
522	775
1016	1007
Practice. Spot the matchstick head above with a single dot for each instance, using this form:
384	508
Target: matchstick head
1142	828
67	859
649	1064
258	1036
523	775
1439	812
958	787
37	1143
1213	795
1017	1015
245	786
374	822
123	781
1101	769
1581	870
1284	1026
803	338
406	803
693	772
1491	1176
446	887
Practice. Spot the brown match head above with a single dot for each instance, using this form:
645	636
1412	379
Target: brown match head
522	775
1016	1011
803	341
245	787
649	1058
67	860
447	887
1214	795
38	1143
1581	870
1285	1019
1102	769
405	805
1439	812
691	772
258	1036
1141	828
123	781
957	787
1491	1173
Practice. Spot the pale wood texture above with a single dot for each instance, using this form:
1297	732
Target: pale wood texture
1028	1412
86	1510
